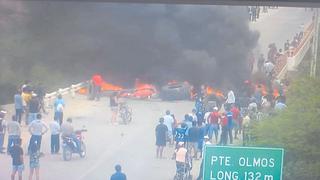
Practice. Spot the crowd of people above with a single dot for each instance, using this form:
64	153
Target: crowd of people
219	125
254	11
276	58
216	125
29	107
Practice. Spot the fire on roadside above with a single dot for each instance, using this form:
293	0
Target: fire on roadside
105	86
213	91
264	90
144	90
141	91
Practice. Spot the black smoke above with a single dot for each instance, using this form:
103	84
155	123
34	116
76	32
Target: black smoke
156	43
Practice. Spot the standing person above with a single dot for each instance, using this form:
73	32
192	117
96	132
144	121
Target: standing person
214	124
16	153
193	138
261	62
26	87
258	12
118	175
34	161
114	107
254	13
230	124
266	104
181	134
2	129
18	104
161	135
59	105
188	120
194	115
37	128
14	132
224	130
286	46
280	105
250	13
169	121
26	97
269	67
202	134
55	137
206	142
236	120
181	157
41	93
97	83
258	96
231	99
175	124
251	62
34	108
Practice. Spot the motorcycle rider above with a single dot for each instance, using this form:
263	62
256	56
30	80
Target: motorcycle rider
67	130
181	157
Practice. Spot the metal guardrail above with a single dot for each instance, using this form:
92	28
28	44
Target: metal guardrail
69	90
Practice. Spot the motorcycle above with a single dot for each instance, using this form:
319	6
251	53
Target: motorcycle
69	146
184	172
125	113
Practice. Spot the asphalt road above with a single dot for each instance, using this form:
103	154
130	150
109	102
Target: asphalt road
279	25
133	146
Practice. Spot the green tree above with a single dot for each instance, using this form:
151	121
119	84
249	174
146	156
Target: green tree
296	130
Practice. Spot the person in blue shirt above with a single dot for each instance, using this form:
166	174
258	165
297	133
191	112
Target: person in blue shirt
118	175
202	133
181	134
230	123
280	105
58	109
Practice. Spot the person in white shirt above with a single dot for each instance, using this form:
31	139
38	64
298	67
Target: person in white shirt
37	128
269	66
14	132
194	115
169	121
231	99
55	137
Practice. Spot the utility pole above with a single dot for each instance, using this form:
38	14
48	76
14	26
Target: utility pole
313	67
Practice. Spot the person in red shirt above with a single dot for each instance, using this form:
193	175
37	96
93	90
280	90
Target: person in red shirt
224	129
236	120
213	124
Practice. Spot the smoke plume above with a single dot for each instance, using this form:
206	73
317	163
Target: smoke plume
156	43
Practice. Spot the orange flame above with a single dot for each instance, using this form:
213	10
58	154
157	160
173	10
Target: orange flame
264	90
211	90
143	90
110	87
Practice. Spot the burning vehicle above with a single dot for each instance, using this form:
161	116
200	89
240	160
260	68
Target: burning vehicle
141	91
176	91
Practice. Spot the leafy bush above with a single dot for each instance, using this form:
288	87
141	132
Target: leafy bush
296	130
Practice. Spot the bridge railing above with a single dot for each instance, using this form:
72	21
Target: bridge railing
68	90
292	58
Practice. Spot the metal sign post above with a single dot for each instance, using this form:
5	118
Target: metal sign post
313	67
